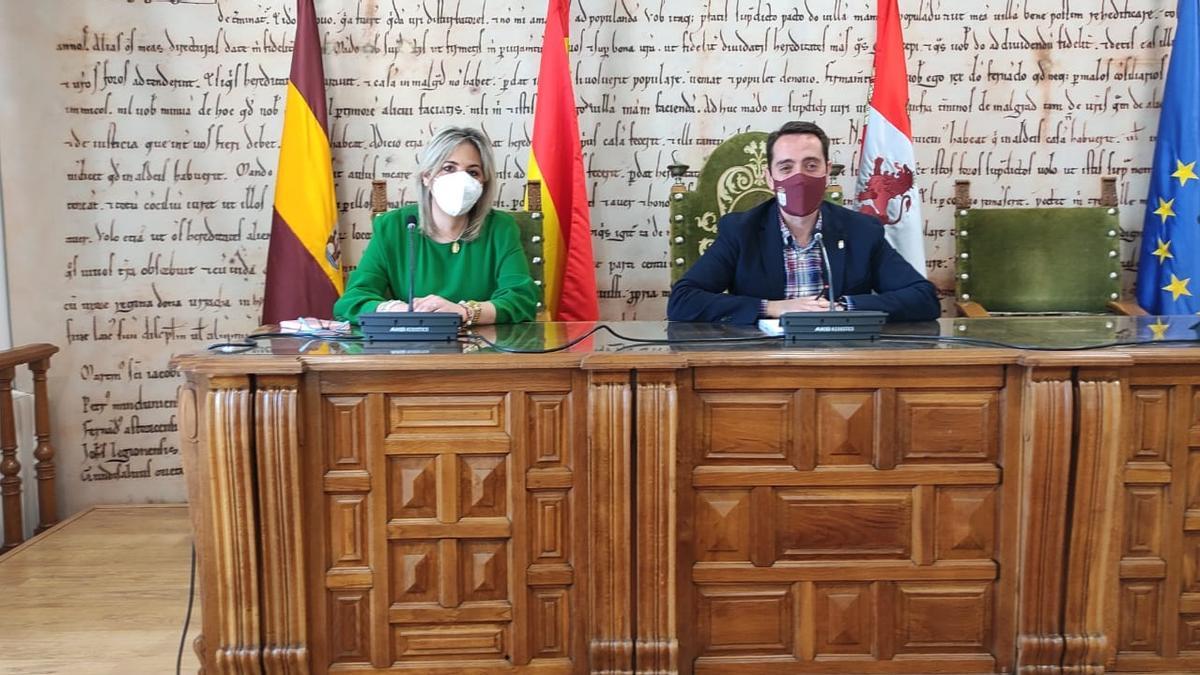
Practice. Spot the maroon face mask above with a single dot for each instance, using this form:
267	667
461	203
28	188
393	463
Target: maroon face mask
800	194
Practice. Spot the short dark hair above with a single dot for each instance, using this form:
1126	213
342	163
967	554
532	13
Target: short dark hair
792	128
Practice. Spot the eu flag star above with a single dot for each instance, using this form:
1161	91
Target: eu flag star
1166	209
1163	251
1177	287
1159	328
1185	172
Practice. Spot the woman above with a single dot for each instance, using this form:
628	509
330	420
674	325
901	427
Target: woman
467	255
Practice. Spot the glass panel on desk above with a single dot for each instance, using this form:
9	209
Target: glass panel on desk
1046	332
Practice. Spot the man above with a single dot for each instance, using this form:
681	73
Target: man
769	259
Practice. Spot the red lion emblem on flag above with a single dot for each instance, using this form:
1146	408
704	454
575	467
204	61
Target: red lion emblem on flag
882	187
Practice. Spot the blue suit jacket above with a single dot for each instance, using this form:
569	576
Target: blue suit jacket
747	261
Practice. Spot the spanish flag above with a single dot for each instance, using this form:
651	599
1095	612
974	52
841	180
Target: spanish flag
556	161
304	274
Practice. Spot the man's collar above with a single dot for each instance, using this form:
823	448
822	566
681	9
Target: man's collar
787	234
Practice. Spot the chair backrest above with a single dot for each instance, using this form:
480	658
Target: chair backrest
530	223
731	180
1028	260
37	357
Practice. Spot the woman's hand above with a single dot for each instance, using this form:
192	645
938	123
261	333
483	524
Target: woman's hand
436	303
392	306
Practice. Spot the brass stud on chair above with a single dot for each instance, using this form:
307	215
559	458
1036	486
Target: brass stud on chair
536	215
679	239
1112	254
962	233
1112	233
679	217
1112	275
679	262
1112	212
962	212
536	239
964	276
1113	296
537	282
966	296
964	255
678	196
536	260
836	195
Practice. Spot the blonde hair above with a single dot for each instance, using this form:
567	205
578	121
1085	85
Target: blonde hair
429	162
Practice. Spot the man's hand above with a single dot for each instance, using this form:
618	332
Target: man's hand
814	304
436	303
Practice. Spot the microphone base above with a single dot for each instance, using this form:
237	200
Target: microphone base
831	326
409	326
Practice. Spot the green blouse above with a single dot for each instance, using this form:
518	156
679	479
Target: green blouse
492	267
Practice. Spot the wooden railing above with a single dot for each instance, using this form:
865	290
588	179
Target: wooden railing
37	357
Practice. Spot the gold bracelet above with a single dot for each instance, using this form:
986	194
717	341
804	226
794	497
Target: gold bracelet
474	309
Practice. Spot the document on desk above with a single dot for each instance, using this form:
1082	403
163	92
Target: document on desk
770	327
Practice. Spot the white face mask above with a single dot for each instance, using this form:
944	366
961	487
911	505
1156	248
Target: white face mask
456	192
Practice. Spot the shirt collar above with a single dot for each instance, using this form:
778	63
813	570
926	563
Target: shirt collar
788	240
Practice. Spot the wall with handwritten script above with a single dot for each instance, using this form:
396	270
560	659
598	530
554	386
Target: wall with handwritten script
138	141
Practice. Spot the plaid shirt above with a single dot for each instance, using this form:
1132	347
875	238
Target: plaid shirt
803	269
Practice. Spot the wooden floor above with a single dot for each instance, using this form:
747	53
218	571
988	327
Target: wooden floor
103	593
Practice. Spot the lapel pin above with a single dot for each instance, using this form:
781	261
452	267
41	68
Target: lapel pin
841	244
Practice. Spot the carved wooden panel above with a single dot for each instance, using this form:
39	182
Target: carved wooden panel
745	620
482	486
464	414
347	530
844	524
1140	610
722	524
348	626
747	427
550	628
965	523
1157	588
947	426
824	532
450	642
1144	512
549	514
1150	415
844	619
943	618
413	481
846	427
345	443
451	523
414	572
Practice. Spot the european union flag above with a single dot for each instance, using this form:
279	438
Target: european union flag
1168	280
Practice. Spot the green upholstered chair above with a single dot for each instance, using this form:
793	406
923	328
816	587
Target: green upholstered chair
529	221
1038	260
730	180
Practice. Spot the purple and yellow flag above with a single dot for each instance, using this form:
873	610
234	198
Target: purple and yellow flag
304	272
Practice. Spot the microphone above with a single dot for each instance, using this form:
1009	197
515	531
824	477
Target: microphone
410	325
828	269
412	265
828	325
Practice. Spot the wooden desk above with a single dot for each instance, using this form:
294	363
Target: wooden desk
901	508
